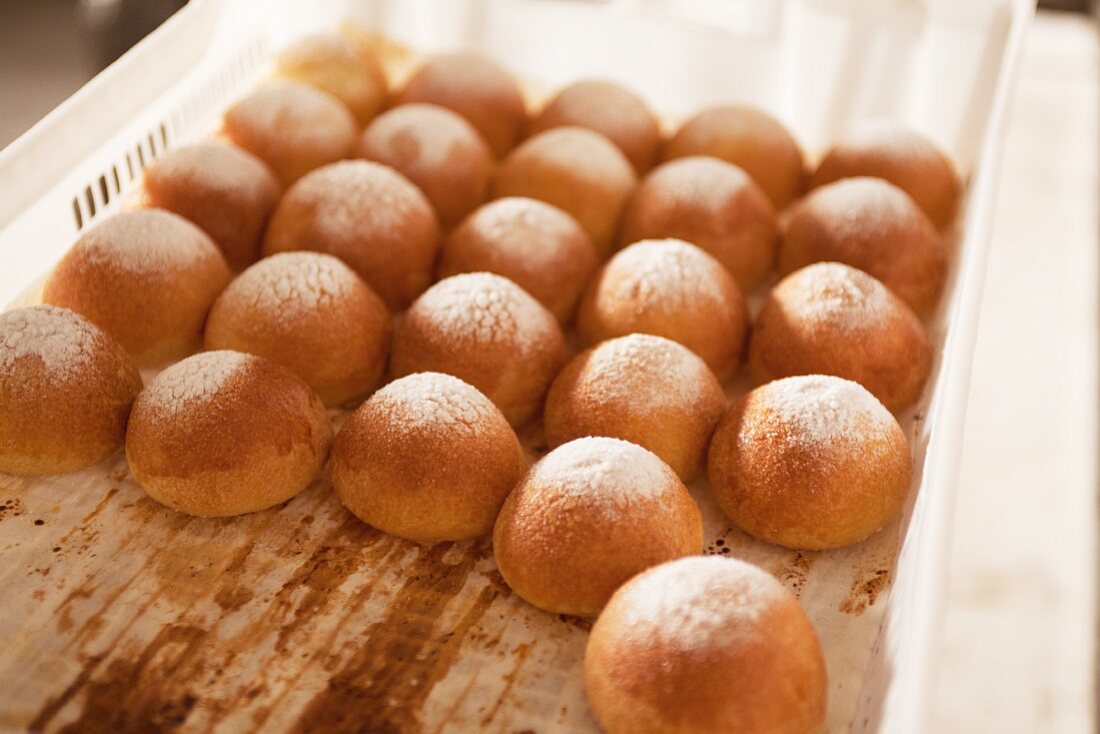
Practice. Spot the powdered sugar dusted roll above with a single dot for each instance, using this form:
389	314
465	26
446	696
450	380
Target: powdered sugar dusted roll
809	462
427	458
340	66
369	216
751	139
703	645
226	191
225	433
903	157
587	517
65	391
487	331
672	289
477	88
611	109
293	127
709	203
436	149
577	170
534	244
641	388
832	319
146	277
310	313
872	225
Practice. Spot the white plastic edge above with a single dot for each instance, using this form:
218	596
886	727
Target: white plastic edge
908	712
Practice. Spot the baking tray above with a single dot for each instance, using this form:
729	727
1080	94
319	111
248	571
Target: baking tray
120	614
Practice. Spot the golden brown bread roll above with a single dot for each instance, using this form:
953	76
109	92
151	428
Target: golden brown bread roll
809	462
534	244
872	225
146	277
225	433
339	66
587	517
751	139
610	109
310	313
427	458
576	170
703	645
641	388
369	216
672	289
709	203
225	190
488	331
903	157
831	319
65	391
477	88
438	151
292	127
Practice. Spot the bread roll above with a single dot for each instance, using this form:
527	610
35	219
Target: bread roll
587	517
226	191
339	66
534	244
225	433
641	388
809	462
872	225
486	330
65	391
293	127
709	203
575	169
477	88
903	157
751	139
672	289
427	458
146	277
611	109
438	151
310	313
831	319
703	645
369	216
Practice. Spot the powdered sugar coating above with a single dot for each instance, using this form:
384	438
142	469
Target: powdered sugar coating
670	273
832	295
221	168
698	603
527	229
699	183
475	87
865	207
196	381
146	241
606	473
646	371
289	284
349	196
432	402
478	309
426	134
64	342
821	414
312	117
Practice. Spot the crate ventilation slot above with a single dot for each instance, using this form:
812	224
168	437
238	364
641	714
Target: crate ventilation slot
181	123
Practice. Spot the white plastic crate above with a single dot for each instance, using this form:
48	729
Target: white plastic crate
942	66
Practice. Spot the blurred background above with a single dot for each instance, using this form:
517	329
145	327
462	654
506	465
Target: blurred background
1018	652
